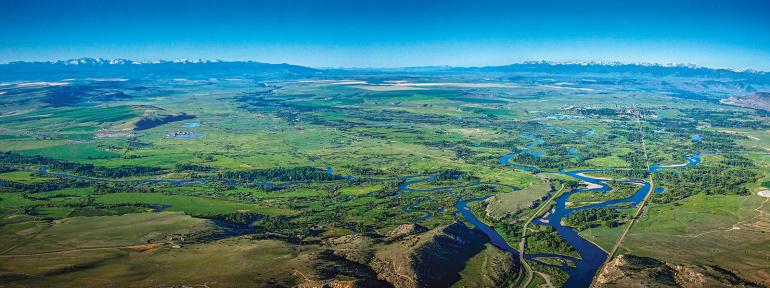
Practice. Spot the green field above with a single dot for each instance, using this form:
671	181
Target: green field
727	225
233	173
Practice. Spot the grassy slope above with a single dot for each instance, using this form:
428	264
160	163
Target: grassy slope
104	231
707	230
231	262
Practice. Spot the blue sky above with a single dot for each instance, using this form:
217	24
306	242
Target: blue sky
378	33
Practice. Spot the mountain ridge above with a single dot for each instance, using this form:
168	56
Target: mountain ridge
122	61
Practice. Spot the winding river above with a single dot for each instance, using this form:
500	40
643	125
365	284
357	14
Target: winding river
583	269
591	256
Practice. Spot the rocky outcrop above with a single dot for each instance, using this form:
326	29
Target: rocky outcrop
447	252
355	247
412	256
405	230
635	271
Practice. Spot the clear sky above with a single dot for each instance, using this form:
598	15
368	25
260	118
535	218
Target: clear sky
379	33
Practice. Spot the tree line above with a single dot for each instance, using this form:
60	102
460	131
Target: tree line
42	186
81	169
280	174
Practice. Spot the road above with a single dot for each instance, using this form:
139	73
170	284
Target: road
523	243
640	210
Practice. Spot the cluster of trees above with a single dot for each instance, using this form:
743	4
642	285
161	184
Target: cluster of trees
728	177
630	135
727	119
79	168
4	169
188	167
293	227
464	153
507	144
365	171
454	174
242	218
709	180
545	161
684	128
735	160
675	125
390	189
42	186
549	241
106	188
568	183
715	141
584	219
280	174
637	160
112	172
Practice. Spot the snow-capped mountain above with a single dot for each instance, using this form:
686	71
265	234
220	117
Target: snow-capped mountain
117	61
125	68
99	67
120	61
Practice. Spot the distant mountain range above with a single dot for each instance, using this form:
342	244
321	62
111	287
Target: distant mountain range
123	68
100	62
214	68
117	61
651	69
542	63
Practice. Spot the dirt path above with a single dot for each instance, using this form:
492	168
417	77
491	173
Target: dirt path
33	235
547	278
310	282
735	226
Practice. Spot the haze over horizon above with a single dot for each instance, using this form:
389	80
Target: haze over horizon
342	33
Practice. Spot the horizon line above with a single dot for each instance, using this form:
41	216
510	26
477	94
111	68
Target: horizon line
548	62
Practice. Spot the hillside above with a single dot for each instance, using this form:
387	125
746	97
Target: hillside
759	100
635	271
410	256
